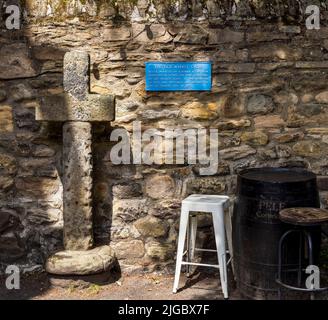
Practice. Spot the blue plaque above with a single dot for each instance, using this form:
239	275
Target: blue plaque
178	76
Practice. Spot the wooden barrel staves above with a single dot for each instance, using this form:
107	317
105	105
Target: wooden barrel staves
261	194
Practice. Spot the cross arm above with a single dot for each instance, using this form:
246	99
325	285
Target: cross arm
64	107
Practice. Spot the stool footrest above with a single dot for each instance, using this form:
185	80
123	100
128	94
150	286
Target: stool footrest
205	250
299	289
200	264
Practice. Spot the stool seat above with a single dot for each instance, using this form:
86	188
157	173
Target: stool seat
207	199
304	216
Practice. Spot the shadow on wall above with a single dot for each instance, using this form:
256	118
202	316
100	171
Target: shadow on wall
31	205
30	156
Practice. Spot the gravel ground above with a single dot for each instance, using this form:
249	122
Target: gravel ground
136	287
202	286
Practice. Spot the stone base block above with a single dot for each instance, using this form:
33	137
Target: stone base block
83	282
81	263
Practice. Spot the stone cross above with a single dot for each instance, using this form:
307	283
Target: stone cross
77	109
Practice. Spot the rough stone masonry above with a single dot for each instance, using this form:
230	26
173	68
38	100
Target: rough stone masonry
269	101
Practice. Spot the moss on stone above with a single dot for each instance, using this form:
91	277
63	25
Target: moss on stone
244	9
62	6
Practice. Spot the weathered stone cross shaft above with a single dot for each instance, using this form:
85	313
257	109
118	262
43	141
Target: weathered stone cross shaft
77	109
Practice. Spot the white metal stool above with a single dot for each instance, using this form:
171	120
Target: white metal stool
188	227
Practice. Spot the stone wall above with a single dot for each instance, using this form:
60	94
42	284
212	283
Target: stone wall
269	102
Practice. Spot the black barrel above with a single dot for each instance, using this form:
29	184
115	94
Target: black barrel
261	194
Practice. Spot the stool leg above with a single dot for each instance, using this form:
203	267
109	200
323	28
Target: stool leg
280	264
181	242
228	224
310	248
192	241
300	255
188	267
280	247
219	230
